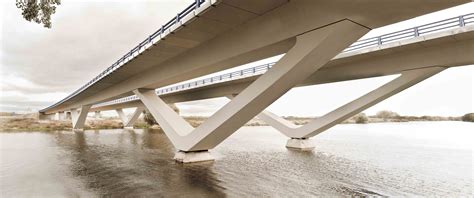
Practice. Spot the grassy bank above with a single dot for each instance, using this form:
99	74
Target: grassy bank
13	122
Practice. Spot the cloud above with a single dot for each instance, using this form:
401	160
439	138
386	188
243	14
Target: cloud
86	37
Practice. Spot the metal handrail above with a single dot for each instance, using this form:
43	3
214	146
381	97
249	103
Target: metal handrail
417	31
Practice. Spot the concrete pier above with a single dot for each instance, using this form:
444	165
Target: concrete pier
193	156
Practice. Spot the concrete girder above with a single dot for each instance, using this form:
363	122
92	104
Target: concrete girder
318	125
311	51
79	117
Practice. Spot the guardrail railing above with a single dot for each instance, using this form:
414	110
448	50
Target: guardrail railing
253	71
442	25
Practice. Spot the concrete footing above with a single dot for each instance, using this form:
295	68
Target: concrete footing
128	127
193	156
304	144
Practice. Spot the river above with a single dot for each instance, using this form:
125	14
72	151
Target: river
387	159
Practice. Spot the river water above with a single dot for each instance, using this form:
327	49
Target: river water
388	159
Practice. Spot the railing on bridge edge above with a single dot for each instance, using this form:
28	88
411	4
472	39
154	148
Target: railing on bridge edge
454	22
450	23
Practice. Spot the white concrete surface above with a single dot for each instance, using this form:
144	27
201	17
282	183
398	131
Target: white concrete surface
302	144
311	51
318	125
193	157
79	117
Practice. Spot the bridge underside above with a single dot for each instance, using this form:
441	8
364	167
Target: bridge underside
193	143
445	51
231	33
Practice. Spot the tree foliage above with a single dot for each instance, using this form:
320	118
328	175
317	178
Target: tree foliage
38	11
361	118
468	117
386	114
149	119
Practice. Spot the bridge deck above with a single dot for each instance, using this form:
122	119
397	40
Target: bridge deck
345	66
211	36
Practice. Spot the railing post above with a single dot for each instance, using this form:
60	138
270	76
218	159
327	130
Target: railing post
379	40
197	4
461	21
416	32
177	18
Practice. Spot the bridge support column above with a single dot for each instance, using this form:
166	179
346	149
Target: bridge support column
62	115
128	122
300	135
79	117
311	51
97	115
56	116
68	115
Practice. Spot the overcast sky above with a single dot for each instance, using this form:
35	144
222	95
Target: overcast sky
40	66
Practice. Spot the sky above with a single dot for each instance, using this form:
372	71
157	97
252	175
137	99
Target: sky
40	66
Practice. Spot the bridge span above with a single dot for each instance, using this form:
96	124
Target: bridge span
318	38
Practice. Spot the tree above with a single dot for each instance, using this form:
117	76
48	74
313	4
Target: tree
361	118
150	120
468	117
39	12
386	114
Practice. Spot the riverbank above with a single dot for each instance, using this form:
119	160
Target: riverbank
30	122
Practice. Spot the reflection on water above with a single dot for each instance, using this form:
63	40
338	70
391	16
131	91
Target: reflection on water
375	159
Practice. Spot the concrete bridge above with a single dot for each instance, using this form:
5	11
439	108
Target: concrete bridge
320	43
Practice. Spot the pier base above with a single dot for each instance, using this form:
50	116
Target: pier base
304	144
193	156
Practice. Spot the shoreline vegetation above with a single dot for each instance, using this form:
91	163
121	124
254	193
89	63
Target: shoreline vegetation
11	122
